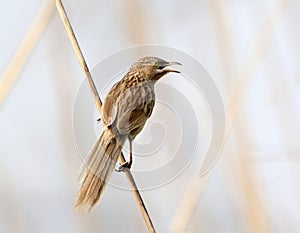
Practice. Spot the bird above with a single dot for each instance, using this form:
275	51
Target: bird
126	108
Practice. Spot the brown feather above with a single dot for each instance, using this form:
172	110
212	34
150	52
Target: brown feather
98	168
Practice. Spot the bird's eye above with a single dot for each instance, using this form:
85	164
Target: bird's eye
158	66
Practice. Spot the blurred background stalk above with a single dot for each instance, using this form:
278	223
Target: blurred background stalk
25	48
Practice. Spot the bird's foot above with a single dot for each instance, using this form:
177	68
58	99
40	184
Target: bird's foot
124	167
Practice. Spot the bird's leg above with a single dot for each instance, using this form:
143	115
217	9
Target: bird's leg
130	148
127	165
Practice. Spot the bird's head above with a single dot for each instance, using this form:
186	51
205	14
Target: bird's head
154	68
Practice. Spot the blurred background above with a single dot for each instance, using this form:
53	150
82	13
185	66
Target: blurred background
251	49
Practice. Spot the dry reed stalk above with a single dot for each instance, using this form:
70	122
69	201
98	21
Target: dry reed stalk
260	48
254	211
136	24
255	214
9	77
25	48
254	207
96	96
188	204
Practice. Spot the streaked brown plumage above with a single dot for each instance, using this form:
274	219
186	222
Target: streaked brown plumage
125	110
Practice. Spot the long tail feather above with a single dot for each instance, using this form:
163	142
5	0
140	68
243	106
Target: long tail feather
97	169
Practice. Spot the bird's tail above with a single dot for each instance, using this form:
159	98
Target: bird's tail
97	169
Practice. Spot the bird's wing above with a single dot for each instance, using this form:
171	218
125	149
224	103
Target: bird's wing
109	108
130	121
134	108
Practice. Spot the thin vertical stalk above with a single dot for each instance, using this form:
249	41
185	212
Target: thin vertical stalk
86	71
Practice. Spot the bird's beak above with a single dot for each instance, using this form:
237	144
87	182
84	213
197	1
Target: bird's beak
167	69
